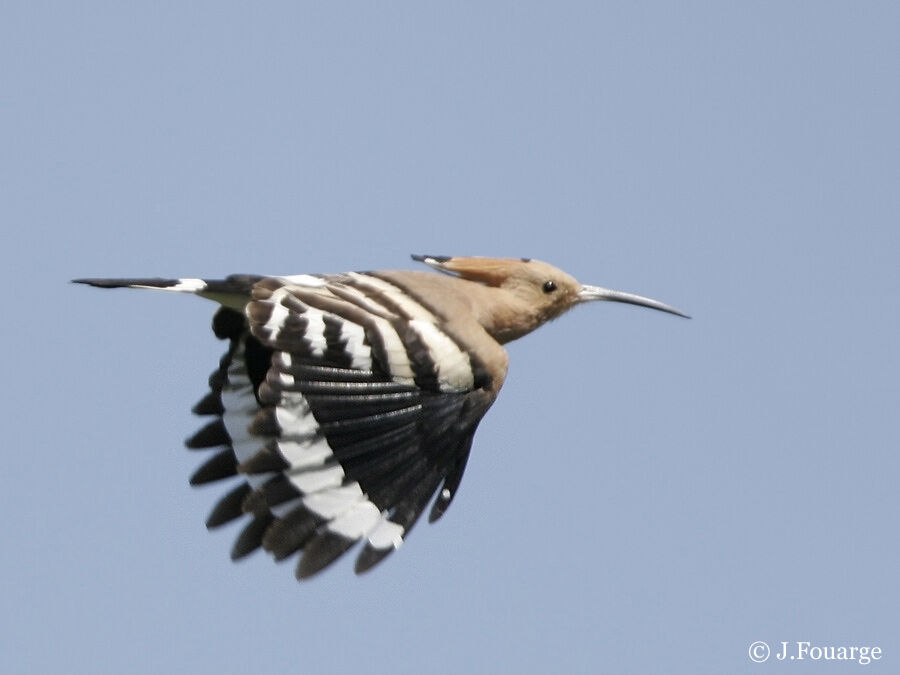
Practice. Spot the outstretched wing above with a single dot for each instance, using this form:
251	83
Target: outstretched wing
345	407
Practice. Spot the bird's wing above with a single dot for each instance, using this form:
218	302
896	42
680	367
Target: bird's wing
345	407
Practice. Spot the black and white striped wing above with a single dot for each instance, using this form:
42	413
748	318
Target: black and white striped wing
345	408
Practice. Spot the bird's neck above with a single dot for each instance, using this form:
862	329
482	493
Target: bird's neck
502	314
505	316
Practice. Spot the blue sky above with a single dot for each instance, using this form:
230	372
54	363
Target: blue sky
647	495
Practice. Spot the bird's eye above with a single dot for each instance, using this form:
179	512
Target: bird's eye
549	286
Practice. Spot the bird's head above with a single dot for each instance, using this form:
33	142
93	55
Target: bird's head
538	291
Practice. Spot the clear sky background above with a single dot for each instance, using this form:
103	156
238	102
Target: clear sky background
648	494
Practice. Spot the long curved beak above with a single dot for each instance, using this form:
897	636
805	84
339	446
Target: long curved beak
589	293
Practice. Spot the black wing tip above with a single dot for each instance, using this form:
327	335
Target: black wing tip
251	537
212	435
438	510
371	556
228	508
322	550
211	404
218	467
441	504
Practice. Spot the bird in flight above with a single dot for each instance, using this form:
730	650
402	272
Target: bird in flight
345	402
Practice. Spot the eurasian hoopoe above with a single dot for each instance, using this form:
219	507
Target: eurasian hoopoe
347	401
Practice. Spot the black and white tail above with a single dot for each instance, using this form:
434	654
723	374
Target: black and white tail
236	284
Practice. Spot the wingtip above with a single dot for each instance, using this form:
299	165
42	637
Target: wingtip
440	506
369	557
322	550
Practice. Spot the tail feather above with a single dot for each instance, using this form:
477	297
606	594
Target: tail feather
238	285
181	285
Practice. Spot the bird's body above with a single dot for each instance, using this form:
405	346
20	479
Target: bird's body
345	402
